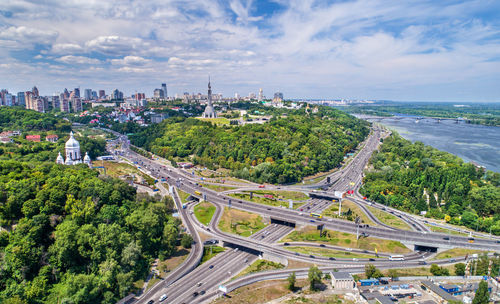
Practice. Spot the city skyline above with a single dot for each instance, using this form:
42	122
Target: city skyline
420	51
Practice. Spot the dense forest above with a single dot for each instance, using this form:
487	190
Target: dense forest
283	150
414	177
66	234
484	114
16	118
69	236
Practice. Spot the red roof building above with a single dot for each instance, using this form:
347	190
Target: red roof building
52	138
35	138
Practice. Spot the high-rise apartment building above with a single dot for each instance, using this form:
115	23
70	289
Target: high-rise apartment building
158	94
21	101
87	94
116	95
164	88
102	94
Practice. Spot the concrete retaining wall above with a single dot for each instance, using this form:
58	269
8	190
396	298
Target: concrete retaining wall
275	258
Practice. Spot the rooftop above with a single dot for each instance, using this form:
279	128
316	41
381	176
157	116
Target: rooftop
440	292
341	276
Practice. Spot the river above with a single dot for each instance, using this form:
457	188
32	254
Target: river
477	143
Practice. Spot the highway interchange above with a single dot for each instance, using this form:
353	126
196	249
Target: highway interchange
194	283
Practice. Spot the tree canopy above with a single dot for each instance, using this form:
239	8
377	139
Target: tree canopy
72	236
414	177
292	145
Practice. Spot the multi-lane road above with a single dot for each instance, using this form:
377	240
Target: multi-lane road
186	285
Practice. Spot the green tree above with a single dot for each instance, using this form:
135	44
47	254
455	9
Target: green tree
482	295
372	272
460	269
314	277
439	271
186	240
291	281
393	273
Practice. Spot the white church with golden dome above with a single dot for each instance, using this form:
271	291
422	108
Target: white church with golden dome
73	153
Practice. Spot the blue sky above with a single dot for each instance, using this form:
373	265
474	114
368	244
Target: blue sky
368	49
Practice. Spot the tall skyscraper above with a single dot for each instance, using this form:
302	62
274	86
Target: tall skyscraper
77	92
87	94
64	104
21	101
117	95
102	94
164	88
35	91
158	94
261	95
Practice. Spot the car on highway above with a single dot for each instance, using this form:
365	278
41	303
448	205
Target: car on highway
151	301
331	259
311	256
262	186
211	266
312	221
371	259
322	245
163	297
202	292
195	294
286	244
446	238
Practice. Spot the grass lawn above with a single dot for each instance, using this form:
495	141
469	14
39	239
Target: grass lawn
218	188
240	222
344	239
410	272
210	251
293	195
444	230
218	121
263	200
260	292
389	219
183	195
457	252
152	282
173	262
116	169
333	211
204	212
324	252
260	265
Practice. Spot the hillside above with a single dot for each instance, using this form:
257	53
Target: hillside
414	177
30	122
283	150
72	237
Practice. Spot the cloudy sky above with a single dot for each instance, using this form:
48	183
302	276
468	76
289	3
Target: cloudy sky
429	50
